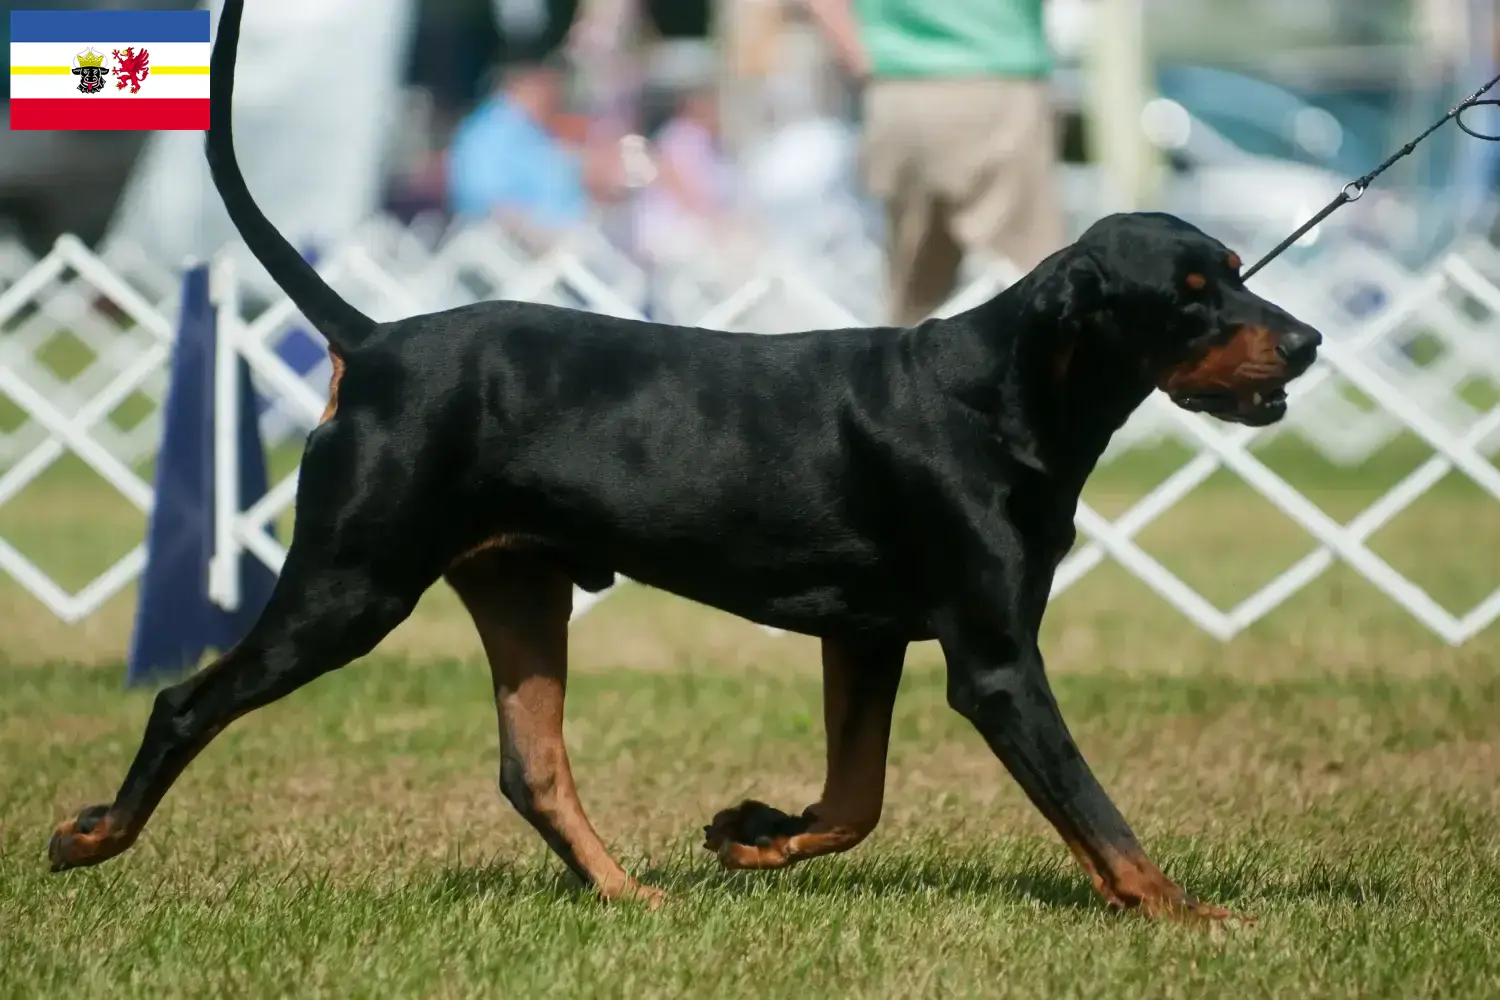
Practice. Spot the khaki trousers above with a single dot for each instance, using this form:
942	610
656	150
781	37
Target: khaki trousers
962	165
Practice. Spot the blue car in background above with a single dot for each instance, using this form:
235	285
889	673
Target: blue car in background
1345	136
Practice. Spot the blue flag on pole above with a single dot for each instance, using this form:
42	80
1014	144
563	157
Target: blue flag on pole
175	621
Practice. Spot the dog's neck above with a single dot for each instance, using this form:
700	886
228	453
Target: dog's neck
1049	375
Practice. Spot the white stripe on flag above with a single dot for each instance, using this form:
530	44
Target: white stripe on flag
62	53
59	56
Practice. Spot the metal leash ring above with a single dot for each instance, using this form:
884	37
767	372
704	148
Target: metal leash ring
1459	118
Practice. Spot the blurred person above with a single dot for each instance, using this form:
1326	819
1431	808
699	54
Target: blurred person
507	160
689	199
959	135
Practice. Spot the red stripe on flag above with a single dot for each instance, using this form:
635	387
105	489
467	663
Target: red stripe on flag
125	114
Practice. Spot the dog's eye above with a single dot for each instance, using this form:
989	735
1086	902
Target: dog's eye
1196	281
1233	260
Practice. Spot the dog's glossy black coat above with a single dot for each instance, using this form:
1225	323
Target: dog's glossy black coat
823	482
878	485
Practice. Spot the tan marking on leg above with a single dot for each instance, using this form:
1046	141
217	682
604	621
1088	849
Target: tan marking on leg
503	541
521	606
113	832
1129	880
859	695
71	848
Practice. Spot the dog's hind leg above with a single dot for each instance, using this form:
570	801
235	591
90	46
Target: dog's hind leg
859	693
520	604
318	619
352	574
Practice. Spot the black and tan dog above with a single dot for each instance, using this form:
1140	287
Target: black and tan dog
871	487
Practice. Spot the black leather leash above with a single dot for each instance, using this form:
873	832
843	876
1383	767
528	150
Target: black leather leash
1355	188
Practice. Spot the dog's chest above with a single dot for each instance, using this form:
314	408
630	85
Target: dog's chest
1055	543
1043	517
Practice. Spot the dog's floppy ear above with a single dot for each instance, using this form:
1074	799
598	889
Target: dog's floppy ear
1070	293
1079	293
1073	286
1083	283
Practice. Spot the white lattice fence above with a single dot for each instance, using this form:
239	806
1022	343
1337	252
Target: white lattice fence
123	343
1347	542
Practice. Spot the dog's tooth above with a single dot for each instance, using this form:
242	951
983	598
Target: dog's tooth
1255	400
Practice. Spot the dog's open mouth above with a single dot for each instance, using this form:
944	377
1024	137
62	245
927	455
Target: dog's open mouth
1254	409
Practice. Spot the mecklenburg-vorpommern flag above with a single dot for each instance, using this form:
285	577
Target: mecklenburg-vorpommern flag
109	69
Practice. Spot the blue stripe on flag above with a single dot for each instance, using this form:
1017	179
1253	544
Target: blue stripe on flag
109	26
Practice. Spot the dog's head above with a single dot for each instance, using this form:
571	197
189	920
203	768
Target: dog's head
1183	315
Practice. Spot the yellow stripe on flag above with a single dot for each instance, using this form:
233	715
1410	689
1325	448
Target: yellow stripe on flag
65	70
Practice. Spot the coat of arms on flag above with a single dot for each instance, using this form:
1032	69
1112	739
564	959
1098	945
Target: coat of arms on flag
90	69
113	69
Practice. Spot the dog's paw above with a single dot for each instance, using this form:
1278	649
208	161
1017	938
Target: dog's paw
1177	904
86	839
753	835
1189	910
648	895
627	890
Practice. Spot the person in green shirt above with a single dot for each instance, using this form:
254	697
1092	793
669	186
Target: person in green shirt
960	141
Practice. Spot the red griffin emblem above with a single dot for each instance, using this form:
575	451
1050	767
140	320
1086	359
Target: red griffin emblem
131	67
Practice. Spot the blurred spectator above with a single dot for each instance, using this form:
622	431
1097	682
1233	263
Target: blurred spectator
689	199
508	161
448	71
959	137
418	168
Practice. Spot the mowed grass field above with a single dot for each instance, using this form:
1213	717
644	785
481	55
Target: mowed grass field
1334	772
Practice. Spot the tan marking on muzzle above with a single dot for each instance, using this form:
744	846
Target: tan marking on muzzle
1242	364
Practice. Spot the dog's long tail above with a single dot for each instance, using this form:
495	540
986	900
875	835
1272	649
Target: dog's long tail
343	325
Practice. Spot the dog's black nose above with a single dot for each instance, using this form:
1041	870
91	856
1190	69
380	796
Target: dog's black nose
1298	347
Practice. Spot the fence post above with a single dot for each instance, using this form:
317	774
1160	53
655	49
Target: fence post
224	560
176	621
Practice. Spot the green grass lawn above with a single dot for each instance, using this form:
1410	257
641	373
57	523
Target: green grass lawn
1335	772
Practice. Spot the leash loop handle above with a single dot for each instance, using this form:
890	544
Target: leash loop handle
1459	118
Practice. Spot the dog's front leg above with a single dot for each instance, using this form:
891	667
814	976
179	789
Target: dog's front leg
860	679
996	680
